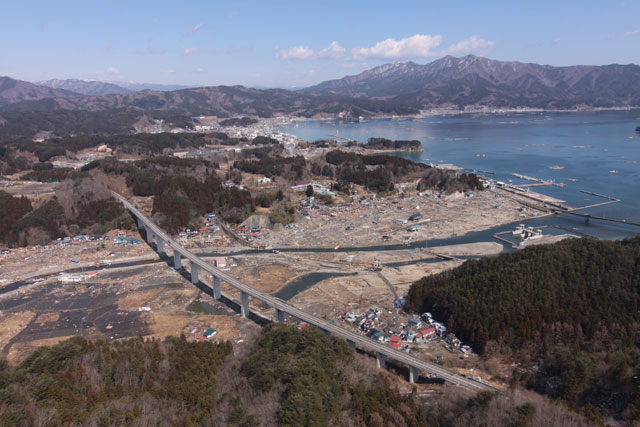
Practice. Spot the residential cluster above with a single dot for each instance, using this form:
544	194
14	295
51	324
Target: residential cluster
210	235
414	331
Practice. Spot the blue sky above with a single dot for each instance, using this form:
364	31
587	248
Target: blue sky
293	44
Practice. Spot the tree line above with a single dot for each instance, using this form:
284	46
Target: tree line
140	143
380	172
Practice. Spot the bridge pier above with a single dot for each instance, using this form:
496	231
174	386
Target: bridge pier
381	360
244	304
159	245
420	365
216	288
279	316
352	345
194	273
149	235
414	374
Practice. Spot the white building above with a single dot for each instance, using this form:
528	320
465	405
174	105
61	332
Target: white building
264	180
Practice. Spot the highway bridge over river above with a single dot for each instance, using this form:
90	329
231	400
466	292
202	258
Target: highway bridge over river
355	340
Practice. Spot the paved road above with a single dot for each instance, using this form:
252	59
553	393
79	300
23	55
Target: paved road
278	304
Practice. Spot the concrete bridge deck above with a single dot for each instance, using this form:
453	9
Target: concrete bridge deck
281	307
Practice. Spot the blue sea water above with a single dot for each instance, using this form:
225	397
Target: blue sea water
586	145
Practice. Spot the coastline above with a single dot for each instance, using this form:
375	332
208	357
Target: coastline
271	126
444	111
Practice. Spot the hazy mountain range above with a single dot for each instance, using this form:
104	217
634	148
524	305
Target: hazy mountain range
222	101
400	89
85	87
98	88
15	91
136	87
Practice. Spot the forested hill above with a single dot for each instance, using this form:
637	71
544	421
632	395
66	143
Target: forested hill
291	378
287	377
567	314
570	292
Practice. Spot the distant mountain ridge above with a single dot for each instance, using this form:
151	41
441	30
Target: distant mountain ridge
390	89
473	80
100	88
25	112
221	101
85	87
137	87
14	91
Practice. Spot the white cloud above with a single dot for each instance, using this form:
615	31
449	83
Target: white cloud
631	33
472	44
112	70
296	52
189	51
200	70
192	30
333	51
169	71
417	46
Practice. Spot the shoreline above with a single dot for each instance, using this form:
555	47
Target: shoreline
444	112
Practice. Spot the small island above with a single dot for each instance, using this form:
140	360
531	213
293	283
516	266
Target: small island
387	144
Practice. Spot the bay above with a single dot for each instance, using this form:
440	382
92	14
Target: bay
579	150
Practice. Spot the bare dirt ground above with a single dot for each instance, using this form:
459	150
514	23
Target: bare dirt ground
12	324
366	220
32	190
470	249
19	351
267	278
111	305
22	263
545	240
146	297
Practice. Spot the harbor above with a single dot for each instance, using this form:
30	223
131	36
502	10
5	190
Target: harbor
537	181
